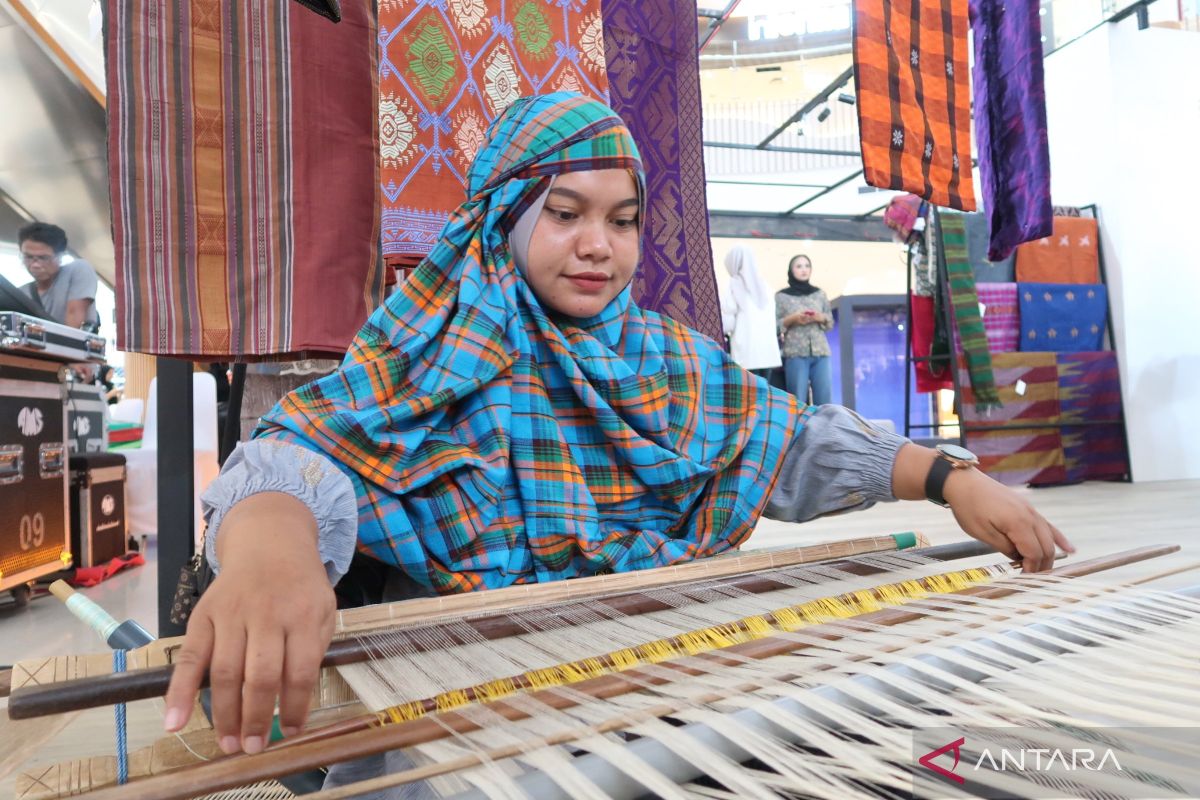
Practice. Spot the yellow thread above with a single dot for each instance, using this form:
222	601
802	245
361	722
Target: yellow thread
813	612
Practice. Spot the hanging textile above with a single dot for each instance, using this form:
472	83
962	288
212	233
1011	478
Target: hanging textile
986	271
914	100
1010	122
240	133
1027	388
1070	254
446	71
654	80
965	302
931	376
1062	317
1001	317
1089	391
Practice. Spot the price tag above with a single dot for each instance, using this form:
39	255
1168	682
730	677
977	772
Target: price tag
982	309
1020	388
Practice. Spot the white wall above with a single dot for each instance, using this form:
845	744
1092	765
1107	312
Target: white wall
1124	126
838	267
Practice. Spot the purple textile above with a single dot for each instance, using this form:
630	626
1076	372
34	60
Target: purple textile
654	84
1010	122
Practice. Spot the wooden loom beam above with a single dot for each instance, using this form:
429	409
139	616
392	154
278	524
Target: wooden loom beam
233	771
74	695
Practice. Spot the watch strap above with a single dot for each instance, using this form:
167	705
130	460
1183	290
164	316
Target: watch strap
936	480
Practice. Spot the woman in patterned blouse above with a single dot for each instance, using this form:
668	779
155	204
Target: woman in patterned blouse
803	315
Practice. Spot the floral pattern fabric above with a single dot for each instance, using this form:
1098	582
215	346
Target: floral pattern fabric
447	70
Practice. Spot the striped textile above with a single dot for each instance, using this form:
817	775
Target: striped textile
654	80
447	70
1027	388
914	100
1001	317
965	302
490	443
1010	122
1089	390
239	135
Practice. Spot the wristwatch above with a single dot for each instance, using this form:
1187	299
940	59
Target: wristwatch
949	458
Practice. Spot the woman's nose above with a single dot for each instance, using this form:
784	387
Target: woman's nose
593	239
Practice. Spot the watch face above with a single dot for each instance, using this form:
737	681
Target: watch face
957	453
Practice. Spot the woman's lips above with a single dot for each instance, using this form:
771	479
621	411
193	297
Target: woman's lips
589	281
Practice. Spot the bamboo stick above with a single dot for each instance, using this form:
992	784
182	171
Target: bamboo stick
233	771
125	687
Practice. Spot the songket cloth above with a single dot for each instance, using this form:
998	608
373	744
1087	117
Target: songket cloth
1089	391
243	166
1027	386
446	70
1010	122
931	376
1062	317
914	99
492	441
1071	254
654	83
1001	317
965	302
986	271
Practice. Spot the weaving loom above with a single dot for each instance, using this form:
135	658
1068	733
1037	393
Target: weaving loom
760	675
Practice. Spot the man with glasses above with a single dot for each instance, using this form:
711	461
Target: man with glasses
66	291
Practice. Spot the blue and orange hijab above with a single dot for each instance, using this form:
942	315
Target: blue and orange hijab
492	442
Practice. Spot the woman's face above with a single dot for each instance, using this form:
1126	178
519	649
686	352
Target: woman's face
801	268
585	244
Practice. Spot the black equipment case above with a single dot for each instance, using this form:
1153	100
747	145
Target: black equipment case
99	529
34	531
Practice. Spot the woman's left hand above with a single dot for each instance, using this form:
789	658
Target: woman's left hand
997	515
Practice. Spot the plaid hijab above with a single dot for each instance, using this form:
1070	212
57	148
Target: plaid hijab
492	441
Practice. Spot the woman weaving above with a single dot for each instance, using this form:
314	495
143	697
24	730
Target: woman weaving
510	415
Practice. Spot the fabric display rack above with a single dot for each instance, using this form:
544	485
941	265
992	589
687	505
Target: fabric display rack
1026	346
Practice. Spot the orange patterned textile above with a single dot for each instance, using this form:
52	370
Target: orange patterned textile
914	98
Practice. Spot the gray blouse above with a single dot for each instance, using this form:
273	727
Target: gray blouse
803	340
838	462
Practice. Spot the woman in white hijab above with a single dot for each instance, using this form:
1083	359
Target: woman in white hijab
748	314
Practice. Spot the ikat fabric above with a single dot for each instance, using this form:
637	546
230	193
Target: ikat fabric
654	83
1010	123
1070	254
492	442
239	132
446	70
914	98
1062	317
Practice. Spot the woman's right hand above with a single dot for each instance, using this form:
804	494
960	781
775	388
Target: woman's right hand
261	629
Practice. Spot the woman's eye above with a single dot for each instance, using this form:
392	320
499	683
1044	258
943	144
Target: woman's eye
625	223
561	214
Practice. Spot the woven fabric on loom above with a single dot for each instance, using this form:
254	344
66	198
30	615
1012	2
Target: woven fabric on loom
1071	254
234	154
446	71
965	302
1002	271
1010	122
1027	386
1089	391
914	99
1001	317
1062	317
654	80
